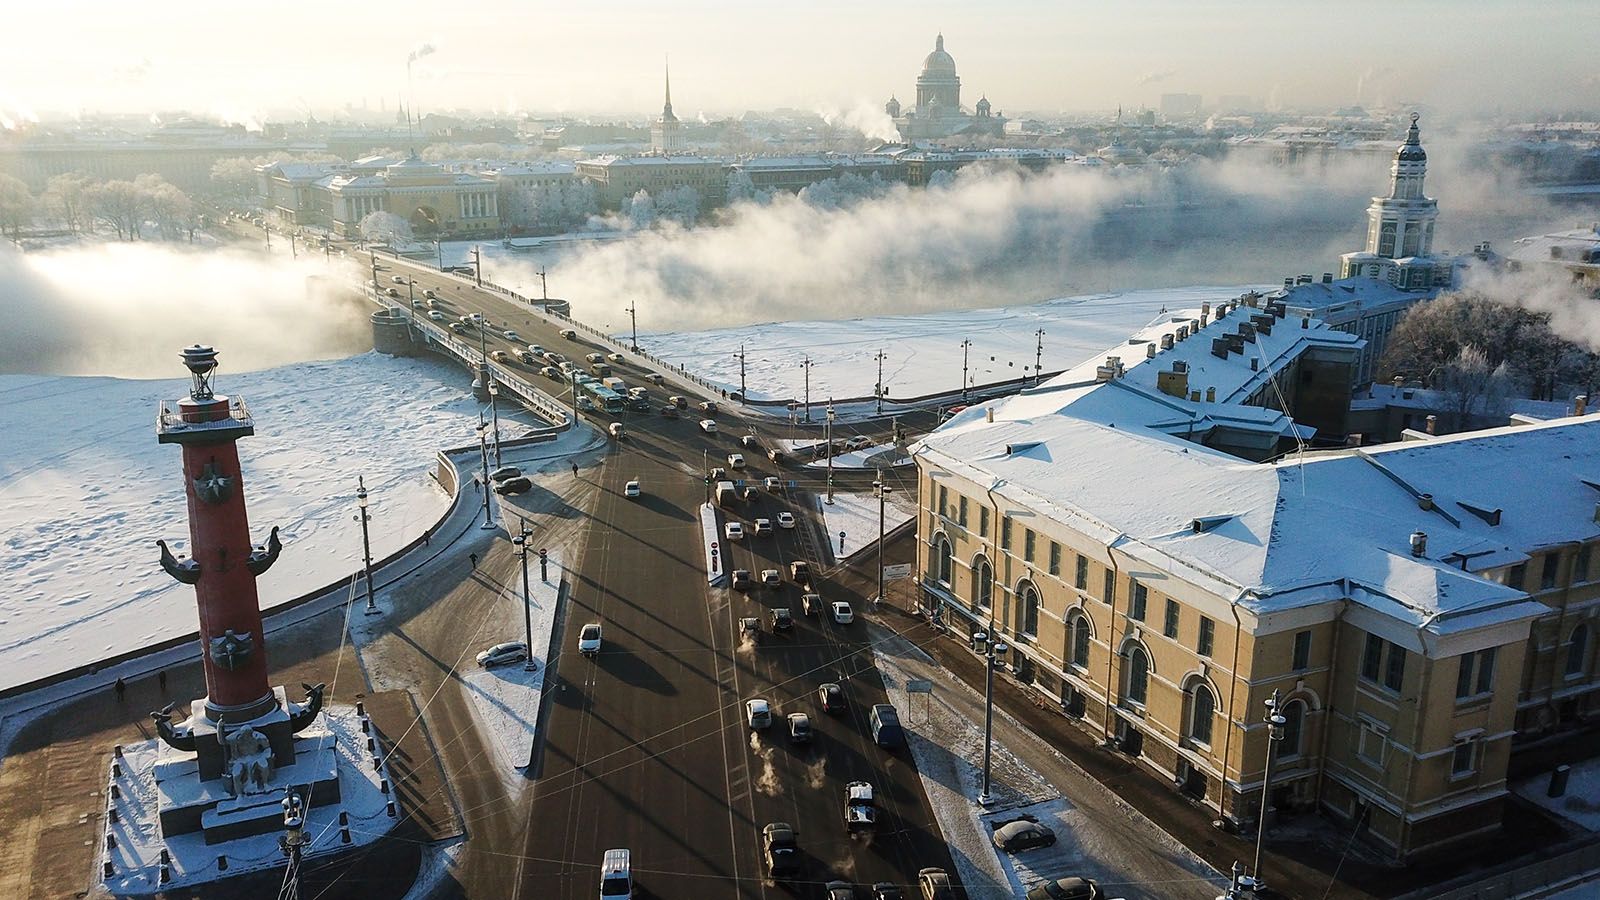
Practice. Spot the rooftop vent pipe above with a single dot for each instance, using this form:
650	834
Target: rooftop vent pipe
1327	278
1211	395
1580	404
1149	351
1419	544
988	415
1180	367
1425	501
1166	341
1432	425
1289	282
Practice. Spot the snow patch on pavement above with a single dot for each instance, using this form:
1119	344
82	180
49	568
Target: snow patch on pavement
857	516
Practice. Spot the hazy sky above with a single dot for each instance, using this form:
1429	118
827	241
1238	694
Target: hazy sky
244	60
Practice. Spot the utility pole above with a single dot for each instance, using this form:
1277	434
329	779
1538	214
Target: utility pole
879	390
1038	355
807	366
521	541
439	249
411	291
829	439
483	452
374	255
366	543
740	357
544	288
883	491
1275	722
494	412
477	264
633	316
965	346
991	649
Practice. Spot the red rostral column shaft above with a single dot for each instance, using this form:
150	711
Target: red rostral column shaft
219	540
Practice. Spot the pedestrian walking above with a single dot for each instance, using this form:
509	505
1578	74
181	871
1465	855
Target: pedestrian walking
121	688
474	558
574	470
425	537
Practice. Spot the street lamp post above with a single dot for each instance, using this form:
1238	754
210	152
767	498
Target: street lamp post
494	412
439	249
991	651
366	543
883	491
483	452
965	346
806	364
1275	722
829	439
521	541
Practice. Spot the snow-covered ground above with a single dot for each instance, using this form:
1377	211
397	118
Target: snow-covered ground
1580	804
856	516
85	491
865	458
922	353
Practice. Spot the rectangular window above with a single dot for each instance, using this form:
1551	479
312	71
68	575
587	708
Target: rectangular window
1302	651
1005	532
1372	658
1475	677
1055	559
1547	572
961	511
1208	636
1110	593
1027	545
983	521
1517	575
944	501
1465	759
1394	673
1081	578
1140	595
1372	744
1580	564
1169	625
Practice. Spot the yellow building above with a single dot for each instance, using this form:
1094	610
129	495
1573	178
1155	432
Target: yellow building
436	201
618	178
1160	586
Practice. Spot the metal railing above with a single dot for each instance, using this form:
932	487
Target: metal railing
238	416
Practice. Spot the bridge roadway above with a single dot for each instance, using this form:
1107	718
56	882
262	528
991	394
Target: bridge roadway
645	746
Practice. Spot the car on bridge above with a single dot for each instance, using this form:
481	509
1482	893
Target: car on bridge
670	412
595	357
569	334
428	292
614	357
393	292
780	847
550	372
708	407
511	336
438	316
536	350
786	519
655	378
525	357
709	426
679	400
398	279
499	356
457	328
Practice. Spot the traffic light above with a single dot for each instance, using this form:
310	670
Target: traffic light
708	480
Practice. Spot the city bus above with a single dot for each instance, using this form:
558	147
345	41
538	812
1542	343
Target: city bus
604	398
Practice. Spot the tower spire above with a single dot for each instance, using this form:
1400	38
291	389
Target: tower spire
666	109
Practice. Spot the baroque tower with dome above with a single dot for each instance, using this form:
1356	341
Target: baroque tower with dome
937	112
1400	227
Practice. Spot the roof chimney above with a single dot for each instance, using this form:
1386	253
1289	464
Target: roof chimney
1580	404
1194	397
1219	348
1303	279
1288	282
1432	424
1419	544
988	415
1183	332
1203	318
1166	341
1149	351
1255	363
1205	309
1247	331
1211	395
1327	278
1425	501
1305	324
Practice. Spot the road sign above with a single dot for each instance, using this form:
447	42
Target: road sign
919	686
900	570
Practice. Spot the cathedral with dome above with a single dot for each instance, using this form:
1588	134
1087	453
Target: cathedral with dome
938	112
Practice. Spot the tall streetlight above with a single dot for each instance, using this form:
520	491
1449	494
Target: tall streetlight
483	451
521	542
991	651
878	391
882	491
1275	723
806	364
494	412
366	543
965	346
829	439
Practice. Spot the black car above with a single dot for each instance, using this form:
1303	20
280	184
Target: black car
781	849
782	619
831	696
670	412
885	890
840	890
1066	889
1023	834
513	485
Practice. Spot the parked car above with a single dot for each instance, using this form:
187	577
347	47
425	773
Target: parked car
709	426
503	654
517	485
504	472
935	884
782	619
786	519
1023	834
741	579
631	489
733	531
885	724
589	639
842	613
757	713
1071	888
831	697
800	728
616	875
763	527
781	849
839	890
858	442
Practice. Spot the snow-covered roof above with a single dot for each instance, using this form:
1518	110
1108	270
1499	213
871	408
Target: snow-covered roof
1326	300
1109	459
533	168
1379	396
651	161
1580	246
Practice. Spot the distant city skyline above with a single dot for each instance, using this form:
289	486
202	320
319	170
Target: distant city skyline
243	65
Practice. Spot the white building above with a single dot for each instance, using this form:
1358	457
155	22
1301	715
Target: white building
1400	227
666	132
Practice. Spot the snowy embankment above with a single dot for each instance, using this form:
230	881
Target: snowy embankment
851	521
85	491
922	353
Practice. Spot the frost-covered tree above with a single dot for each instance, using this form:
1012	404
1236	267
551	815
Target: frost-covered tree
64	197
679	204
1476	389
385	227
16	205
640	210
740	187
170	208
235	178
580	201
549	212
120	204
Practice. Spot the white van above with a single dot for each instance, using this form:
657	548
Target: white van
616	875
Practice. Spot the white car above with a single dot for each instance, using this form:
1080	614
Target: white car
631	489
735	460
757	713
502	654
614	357
512	336
733	531
589	639
763	527
772	484
436	315
842	613
398	279
594	357
858	442
786	519
709	426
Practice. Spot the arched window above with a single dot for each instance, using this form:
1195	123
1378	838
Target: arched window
1386	235
1202	709
1136	676
1578	650
1413	241
1294	720
1028	610
942	562
983	585
1079	655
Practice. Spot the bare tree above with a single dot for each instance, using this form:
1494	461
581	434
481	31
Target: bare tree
120	205
385	227
16	205
64	197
